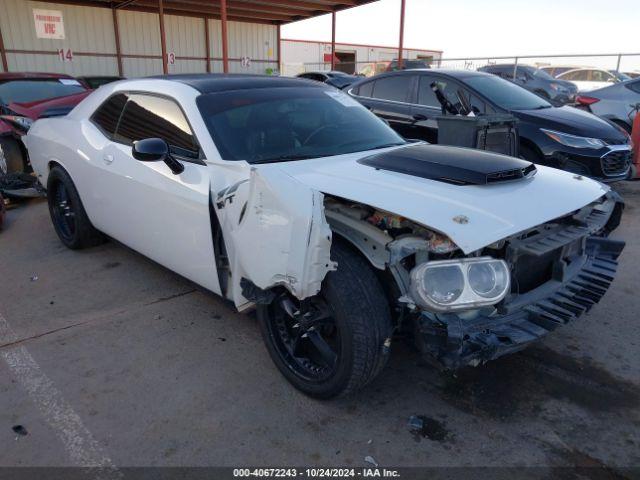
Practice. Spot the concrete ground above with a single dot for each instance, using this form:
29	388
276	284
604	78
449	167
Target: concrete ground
109	358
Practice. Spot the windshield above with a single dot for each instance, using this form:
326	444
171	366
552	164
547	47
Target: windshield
506	94
32	90
277	124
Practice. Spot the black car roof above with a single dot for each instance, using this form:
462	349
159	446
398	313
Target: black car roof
220	82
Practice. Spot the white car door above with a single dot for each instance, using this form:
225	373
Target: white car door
143	204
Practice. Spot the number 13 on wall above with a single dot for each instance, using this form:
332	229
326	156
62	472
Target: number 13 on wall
65	55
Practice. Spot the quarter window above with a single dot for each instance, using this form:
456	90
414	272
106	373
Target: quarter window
393	88
107	115
149	116
366	89
634	86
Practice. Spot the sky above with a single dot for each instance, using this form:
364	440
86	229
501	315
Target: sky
472	28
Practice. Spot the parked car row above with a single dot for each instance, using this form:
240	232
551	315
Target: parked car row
301	203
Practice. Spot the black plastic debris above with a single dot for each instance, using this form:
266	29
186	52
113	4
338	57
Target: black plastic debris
20	185
19	430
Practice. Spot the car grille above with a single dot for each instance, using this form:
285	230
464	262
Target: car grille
616	162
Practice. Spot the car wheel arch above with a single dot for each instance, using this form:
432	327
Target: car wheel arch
529	144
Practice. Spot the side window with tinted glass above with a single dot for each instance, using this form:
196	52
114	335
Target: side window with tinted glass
149	116
393	88
426	95
634	86
107	115
366	89
477	105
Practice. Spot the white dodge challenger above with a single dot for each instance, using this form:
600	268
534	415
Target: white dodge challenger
287	196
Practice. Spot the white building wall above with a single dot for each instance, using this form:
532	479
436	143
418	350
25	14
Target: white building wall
140	36
86	30
186	39
256	41
299	56
90	35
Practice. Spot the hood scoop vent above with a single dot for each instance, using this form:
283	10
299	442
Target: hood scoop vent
454	165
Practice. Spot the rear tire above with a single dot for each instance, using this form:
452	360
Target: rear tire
11	157
357	331
67	212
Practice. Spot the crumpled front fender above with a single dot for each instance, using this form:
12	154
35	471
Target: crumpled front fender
280	236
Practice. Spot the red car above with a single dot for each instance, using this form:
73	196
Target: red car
25	97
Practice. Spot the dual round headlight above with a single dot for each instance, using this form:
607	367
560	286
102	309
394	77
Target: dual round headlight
460	284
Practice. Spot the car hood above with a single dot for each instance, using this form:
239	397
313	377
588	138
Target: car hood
35	110
571	120
473	216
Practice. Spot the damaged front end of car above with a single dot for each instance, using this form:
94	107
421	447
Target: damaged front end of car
470	308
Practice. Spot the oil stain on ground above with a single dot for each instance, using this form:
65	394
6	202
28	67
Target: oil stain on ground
422	426
519	382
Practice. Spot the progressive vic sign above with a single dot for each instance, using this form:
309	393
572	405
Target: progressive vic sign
49	24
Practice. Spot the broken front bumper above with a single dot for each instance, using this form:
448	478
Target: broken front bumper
456	341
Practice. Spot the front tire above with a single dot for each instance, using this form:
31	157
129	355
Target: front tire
340	345
68	216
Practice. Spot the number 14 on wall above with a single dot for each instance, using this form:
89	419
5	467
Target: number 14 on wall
65	55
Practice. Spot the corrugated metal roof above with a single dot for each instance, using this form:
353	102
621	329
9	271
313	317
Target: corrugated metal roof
275	12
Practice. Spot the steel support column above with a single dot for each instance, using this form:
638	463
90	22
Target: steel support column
333	40
163	41
279	46
225	50
207	48
3	54
401	43
116	32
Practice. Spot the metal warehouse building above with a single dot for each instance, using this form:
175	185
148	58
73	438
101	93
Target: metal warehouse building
145	37
305	55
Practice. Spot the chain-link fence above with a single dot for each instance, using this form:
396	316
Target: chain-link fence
626	63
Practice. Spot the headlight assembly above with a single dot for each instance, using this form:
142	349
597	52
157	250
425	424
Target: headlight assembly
462	284
574	141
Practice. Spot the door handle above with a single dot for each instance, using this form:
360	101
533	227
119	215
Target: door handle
108	159
418	117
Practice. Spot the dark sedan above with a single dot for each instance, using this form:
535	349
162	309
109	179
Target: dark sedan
536	81
561	137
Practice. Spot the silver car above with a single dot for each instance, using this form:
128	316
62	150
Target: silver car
618	102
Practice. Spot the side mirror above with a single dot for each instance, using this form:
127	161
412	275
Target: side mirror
156	150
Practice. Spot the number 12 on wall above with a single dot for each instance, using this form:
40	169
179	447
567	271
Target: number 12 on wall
65	55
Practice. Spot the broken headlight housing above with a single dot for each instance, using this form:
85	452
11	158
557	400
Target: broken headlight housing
22	123
460	284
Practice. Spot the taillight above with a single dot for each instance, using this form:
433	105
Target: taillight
584	100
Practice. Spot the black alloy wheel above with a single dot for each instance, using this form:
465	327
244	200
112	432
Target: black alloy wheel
64	215
308	343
